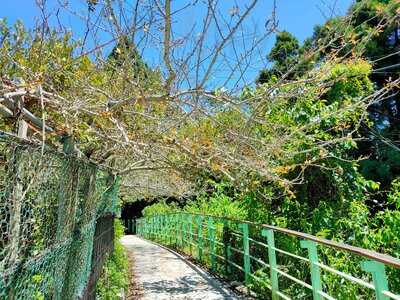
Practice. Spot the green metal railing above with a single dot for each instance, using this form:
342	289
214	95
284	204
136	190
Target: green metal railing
277	263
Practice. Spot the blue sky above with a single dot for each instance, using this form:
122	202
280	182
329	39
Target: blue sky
297	16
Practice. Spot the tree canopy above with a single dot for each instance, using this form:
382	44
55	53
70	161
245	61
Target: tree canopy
312	146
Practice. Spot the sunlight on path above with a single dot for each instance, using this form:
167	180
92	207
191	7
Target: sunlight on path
163	274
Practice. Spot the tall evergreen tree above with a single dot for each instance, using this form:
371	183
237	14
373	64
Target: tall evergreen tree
284	54
125	54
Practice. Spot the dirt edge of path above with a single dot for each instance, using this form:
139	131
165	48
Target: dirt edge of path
135	291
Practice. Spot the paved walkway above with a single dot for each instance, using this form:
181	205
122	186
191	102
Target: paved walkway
163	274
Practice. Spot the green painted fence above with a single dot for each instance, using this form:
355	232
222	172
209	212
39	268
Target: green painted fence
277	263
56	221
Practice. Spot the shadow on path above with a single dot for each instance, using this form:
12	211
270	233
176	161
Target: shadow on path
165	274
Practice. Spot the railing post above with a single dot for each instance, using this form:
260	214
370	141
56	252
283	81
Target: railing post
379	278
150	227
184	230
190	218
170	229
181	223
269	234
211	236
176	230
176	224
199	237
151	233
162	228
311	246
154	226
227	249
157	227
246	251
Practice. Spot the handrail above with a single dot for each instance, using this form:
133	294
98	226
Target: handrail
384	258
195	231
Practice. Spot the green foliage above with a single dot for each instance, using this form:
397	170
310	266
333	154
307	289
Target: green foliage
51	61
394	196
384	167
125	56
355	83
115	275
283	56
371	30
286	46
159	208
333	116
305	142
218	203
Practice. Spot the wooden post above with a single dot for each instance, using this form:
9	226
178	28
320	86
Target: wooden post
22	129
68	192
16	197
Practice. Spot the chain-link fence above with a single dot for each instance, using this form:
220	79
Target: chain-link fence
56	221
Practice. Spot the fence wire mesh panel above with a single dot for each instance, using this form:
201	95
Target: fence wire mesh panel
49	206
103	243
277	263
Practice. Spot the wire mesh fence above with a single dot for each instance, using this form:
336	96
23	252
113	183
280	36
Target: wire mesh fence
277	263
50	207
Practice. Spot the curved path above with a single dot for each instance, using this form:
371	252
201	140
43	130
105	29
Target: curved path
164	274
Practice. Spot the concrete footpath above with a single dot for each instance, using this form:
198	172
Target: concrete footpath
164	274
